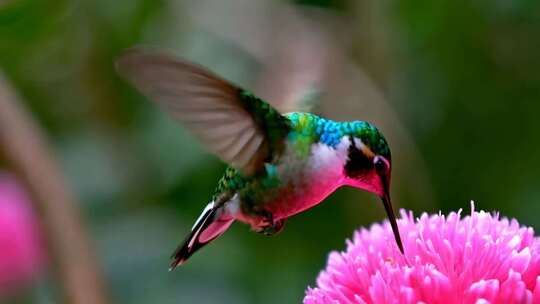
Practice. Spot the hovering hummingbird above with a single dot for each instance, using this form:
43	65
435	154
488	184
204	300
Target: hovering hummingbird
280	164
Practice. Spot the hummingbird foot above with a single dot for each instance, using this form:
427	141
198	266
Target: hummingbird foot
267	225
274	229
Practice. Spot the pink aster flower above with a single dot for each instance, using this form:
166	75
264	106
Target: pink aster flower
479	258
21	250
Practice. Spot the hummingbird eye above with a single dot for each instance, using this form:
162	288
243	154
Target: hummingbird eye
380	164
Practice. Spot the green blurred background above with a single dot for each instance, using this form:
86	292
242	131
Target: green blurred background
463	77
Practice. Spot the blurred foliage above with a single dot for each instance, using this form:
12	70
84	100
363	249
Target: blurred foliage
463	75
469	88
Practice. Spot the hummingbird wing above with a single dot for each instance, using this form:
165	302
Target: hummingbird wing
238	127
304	53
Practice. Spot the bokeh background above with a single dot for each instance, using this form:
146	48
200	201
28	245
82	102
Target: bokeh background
455	84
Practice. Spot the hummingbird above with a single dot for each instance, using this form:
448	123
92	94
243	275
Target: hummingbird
280	164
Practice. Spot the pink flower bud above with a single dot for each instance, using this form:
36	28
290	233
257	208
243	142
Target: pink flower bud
21	248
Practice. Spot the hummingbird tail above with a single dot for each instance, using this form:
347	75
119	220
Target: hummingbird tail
212	223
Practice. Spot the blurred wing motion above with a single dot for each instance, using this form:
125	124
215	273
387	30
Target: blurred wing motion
305	66
293	53
210	107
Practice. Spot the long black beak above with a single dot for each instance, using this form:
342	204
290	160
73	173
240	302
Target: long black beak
392	218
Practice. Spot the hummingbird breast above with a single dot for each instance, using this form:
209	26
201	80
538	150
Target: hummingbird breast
305	179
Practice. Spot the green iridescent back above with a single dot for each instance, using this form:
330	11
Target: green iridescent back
308	128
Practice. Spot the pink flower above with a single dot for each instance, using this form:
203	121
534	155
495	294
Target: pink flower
21	251
480	258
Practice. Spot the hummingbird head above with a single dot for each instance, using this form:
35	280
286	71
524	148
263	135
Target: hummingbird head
369	162
368	167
